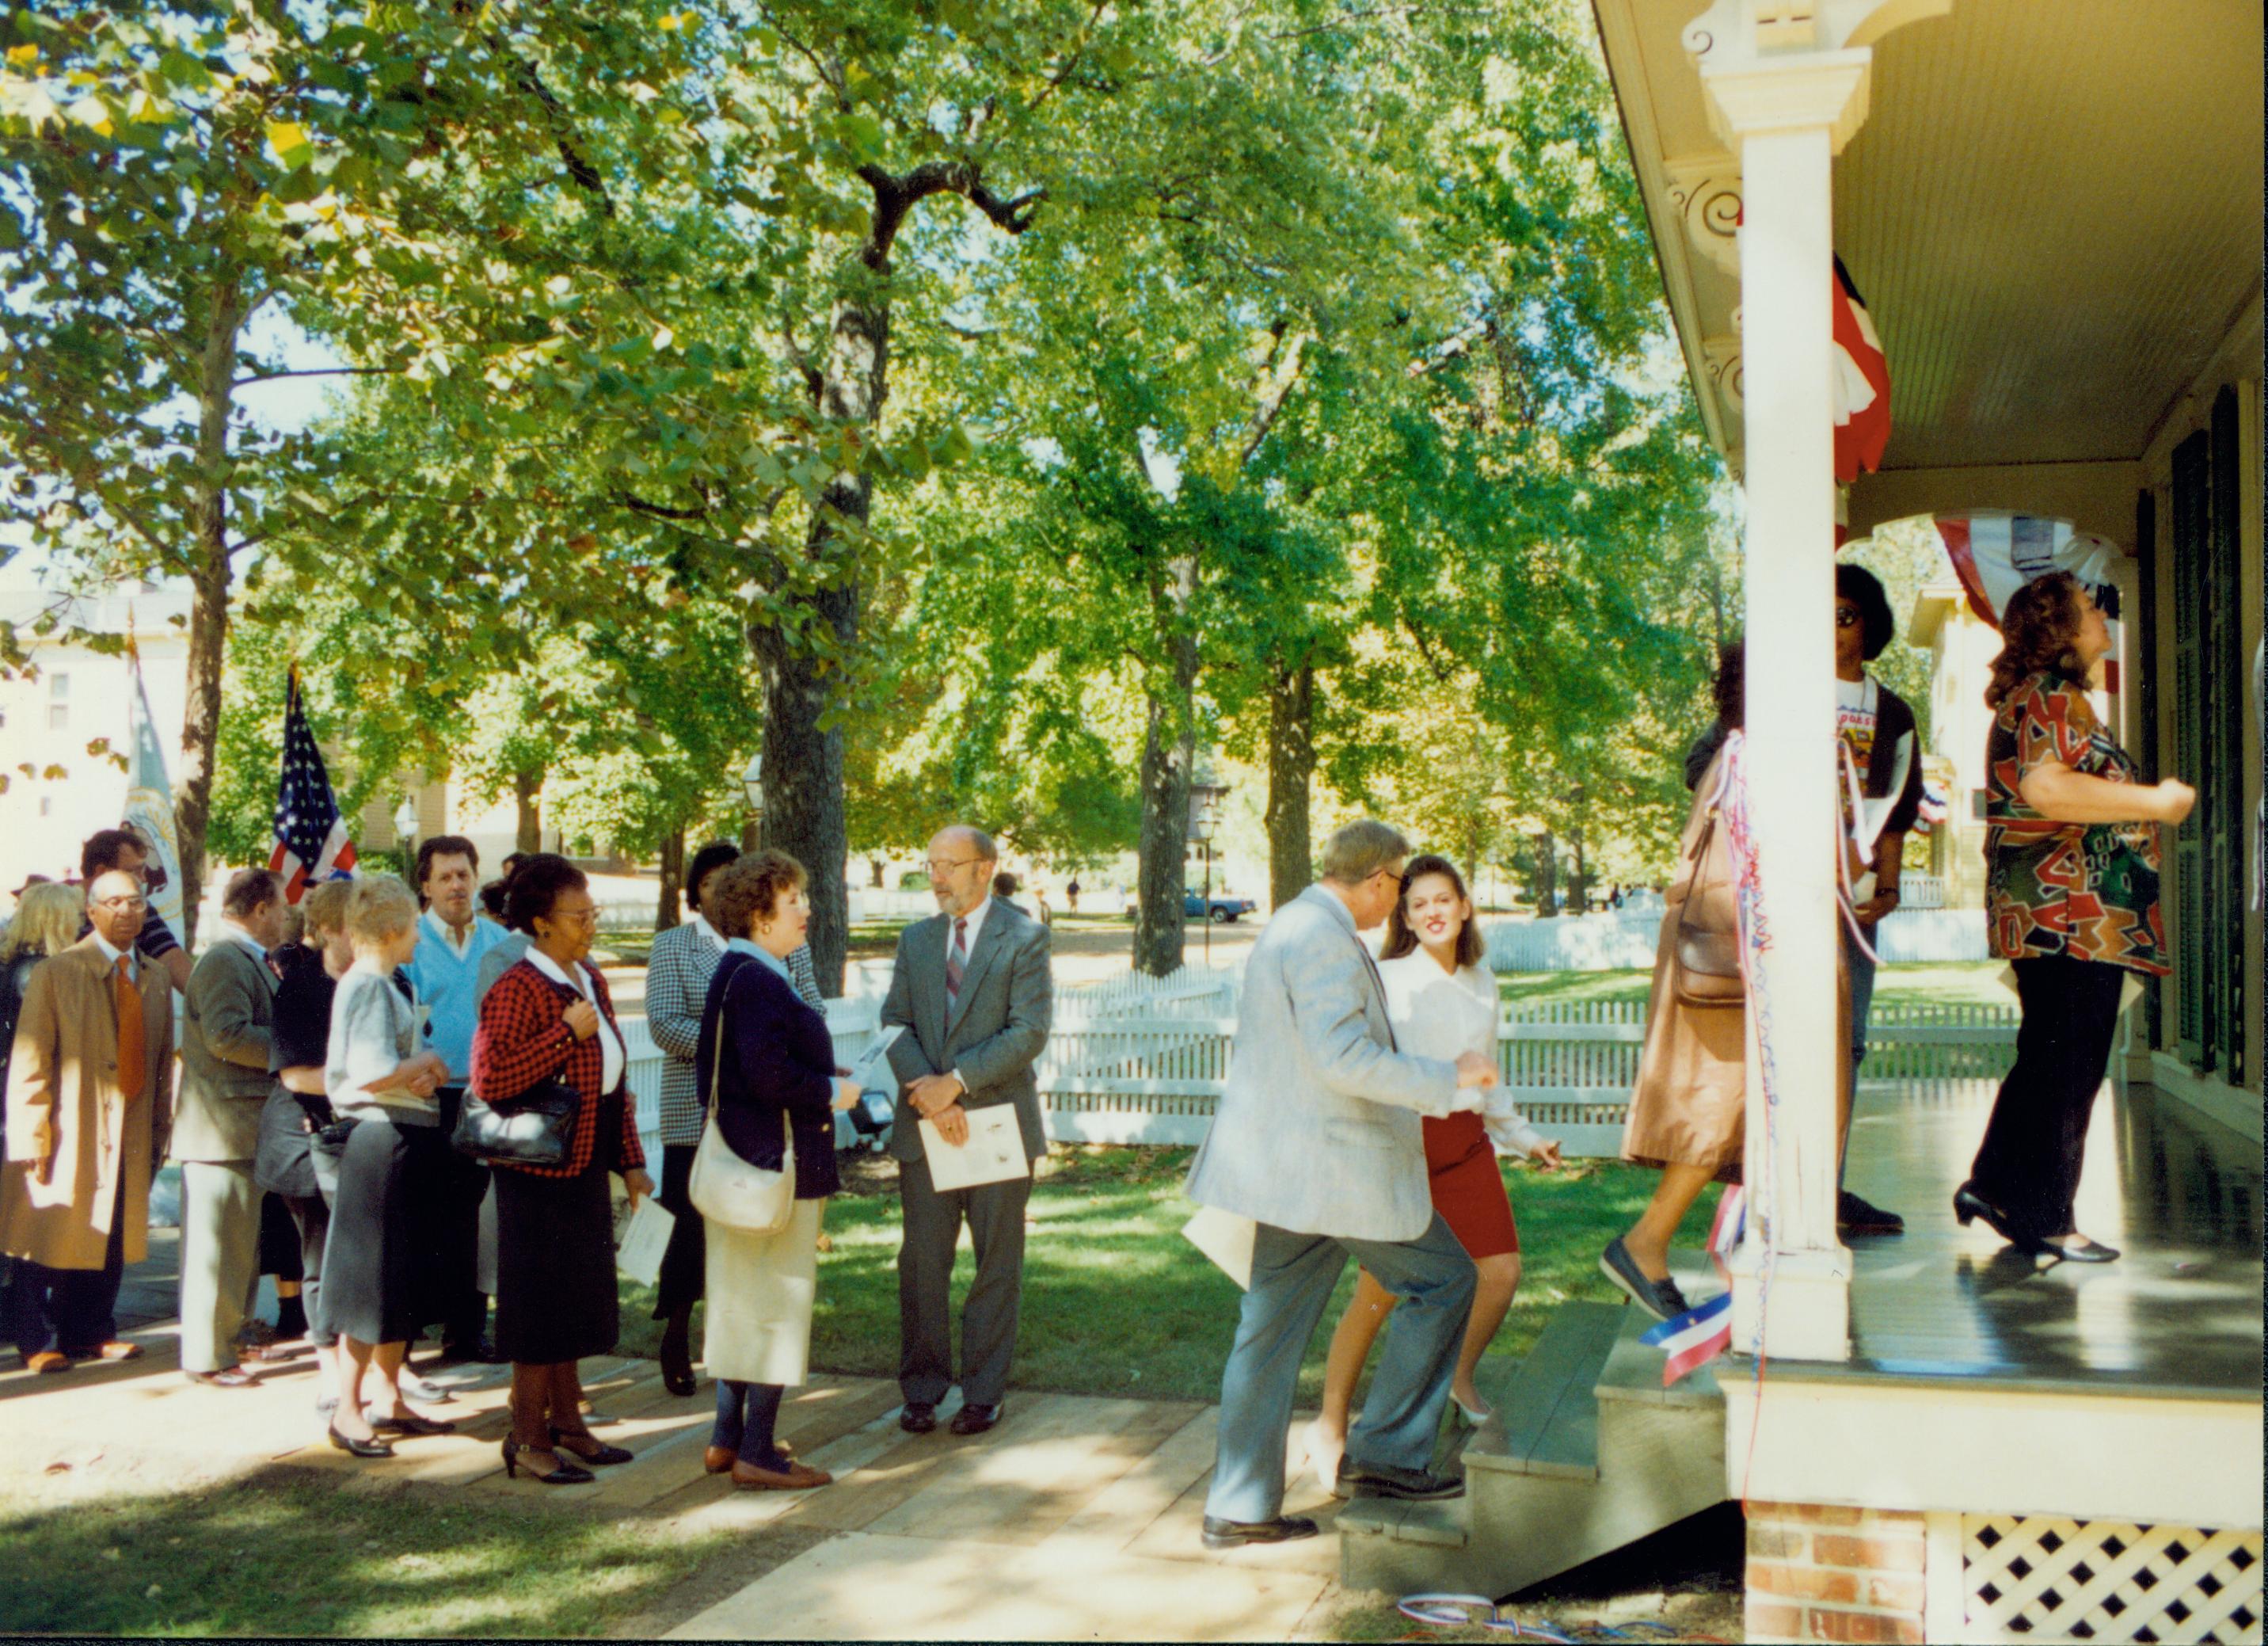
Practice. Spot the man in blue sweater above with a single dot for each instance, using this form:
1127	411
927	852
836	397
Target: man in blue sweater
446	968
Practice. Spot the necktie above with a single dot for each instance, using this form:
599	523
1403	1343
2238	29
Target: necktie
130	1049
956	965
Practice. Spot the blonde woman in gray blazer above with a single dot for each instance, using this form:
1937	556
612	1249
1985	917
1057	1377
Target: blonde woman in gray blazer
1318	1138
228	1011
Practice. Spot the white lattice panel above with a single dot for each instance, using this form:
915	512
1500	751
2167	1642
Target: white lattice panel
2036	1577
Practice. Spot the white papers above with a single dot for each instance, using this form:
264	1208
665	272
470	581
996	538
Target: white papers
640	1238
872	1070
993	1154
1227	1238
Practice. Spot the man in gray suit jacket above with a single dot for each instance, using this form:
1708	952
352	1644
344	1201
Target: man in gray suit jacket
971	988
1318	1138
228	1010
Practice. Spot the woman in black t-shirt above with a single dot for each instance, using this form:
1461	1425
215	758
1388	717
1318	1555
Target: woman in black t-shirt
297	1108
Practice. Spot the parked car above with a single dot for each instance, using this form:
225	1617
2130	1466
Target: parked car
1222	911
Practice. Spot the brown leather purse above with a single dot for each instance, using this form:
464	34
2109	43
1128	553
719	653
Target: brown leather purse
1705	969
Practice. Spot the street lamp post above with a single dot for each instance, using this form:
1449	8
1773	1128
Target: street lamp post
405	833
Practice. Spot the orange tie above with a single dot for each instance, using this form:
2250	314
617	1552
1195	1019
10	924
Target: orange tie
131	1051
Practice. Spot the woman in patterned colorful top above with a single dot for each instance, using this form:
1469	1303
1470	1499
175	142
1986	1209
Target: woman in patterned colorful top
2070	900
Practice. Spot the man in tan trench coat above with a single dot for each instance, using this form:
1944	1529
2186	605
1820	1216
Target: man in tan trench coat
89	1108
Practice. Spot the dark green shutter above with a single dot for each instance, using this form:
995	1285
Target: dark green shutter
2190	525
2144	684
2221	787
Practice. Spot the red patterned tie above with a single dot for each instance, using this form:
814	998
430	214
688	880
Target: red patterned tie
956	965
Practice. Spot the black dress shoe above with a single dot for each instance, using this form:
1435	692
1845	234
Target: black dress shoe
1968	1205
1660	1298
918	1418
478	1351
676	1367
1382	1479
411	1424
1857	1216
372	1447
1235	1534
2079	1249
974	1420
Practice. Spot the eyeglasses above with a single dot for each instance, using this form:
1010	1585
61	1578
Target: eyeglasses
585	915
1847	617
122	905
940	868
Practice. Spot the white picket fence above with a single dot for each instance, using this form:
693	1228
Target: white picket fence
1570	1067
1626	940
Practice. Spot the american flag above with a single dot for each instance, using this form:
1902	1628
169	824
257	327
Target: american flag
310	837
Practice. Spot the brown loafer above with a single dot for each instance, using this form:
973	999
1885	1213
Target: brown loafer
717	1460
796	1477
47	1362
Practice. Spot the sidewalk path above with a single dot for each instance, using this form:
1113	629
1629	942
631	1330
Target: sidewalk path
1076	1519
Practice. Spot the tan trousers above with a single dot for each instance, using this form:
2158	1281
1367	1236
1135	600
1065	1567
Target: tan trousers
220	1259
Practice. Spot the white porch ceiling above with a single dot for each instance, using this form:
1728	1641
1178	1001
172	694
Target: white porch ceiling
2053	210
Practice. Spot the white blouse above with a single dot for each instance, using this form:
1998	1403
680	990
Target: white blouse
610	1049
1438	1014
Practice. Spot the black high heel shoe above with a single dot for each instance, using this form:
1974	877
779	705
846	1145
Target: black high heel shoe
676	1366
1968	1205
359	1448
605	1457
565	1474
2082	1250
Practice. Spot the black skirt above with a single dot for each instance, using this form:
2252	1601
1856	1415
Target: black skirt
374	1284
554	1298
685	1260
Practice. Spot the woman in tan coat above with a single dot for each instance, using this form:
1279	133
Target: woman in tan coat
1687	1112
89	1112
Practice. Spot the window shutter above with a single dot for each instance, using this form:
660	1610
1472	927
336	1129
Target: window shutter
2223	798
2191	510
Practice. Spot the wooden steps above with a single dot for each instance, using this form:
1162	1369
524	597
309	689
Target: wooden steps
1585	1452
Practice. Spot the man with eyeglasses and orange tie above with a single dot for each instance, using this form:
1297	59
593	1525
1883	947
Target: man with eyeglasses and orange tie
972	990
89	1112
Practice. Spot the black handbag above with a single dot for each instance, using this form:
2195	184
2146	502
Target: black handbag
536	1129
326	1145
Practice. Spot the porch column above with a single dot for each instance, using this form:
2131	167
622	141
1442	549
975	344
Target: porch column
1785	118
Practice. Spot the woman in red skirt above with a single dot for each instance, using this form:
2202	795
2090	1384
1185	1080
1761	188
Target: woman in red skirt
1443	1001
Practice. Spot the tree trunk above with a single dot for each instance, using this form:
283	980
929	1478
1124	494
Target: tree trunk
1579	886
1291	779
1168	751
208	579
669	903
1473	862
527	823
1547	874
874	867
803	775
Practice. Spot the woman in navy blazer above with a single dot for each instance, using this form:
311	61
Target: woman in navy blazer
770	1060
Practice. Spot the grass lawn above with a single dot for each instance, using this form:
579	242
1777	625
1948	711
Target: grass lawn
286	1553
1937	983
1116	1302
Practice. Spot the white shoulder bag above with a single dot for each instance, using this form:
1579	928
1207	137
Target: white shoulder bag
727	1189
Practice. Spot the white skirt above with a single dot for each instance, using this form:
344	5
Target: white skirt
760	1292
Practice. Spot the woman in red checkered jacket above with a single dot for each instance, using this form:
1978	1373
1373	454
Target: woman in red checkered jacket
549	1017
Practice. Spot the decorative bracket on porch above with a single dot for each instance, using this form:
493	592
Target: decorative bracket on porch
1722	356
1706	191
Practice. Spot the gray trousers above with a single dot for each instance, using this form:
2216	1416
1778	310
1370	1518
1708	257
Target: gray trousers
995	1215
1293	1276
220	1259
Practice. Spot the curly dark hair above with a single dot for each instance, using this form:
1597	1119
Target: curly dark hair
706	861
750	887
2039	629
1877	628
536	883
1402	937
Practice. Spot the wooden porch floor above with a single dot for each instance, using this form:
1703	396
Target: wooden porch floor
2178	1314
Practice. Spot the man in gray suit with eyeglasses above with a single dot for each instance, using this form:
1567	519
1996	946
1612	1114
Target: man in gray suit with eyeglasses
1318	1138
971	988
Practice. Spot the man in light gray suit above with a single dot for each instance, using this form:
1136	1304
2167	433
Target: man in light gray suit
1317	1138
971	988
228	1013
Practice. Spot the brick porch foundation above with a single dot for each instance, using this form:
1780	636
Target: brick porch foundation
1817	1572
